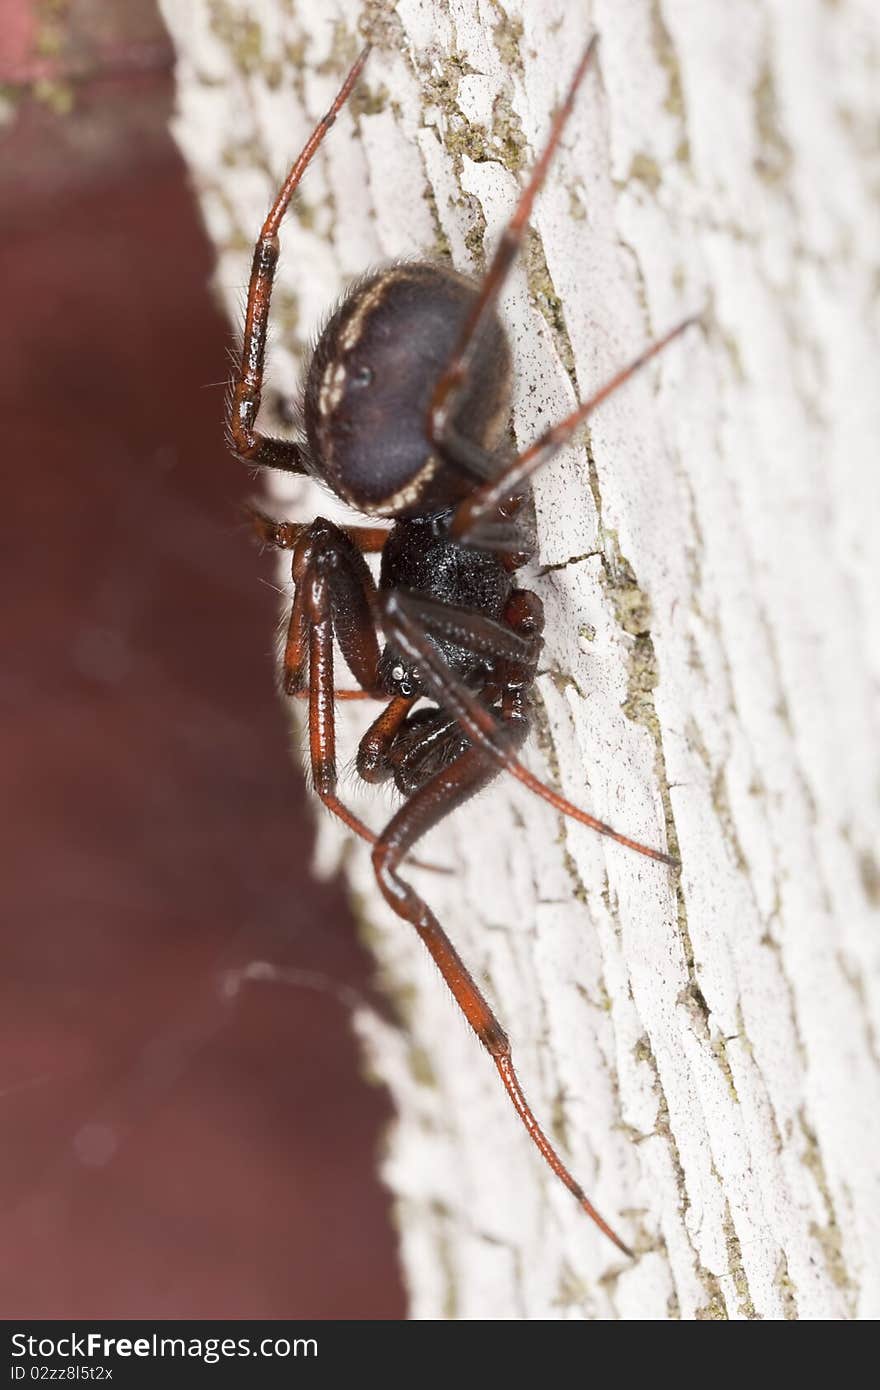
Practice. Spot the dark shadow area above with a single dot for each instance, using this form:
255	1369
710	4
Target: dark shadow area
173	1146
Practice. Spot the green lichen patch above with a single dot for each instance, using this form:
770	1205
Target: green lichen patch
644	169
869	873
664	50
344	48
381	25
827	1235
716	1309
548	302
442	249
721	803
774	161
787	1291
507	33
736	1269
632	606
577	208
559	1121
571	1290
564	681
240	34
421	1068
368	101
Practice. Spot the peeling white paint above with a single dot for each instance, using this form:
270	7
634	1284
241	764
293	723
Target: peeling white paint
713	1061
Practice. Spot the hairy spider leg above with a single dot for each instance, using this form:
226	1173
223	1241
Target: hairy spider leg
447	393
334	594
283	535
409	620
475	520
243	403
334	590
467	774
373	753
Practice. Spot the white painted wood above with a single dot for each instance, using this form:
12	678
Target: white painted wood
705	1056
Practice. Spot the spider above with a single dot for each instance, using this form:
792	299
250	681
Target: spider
406	405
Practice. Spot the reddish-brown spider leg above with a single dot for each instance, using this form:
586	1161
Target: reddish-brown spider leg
337	695
354	601
244	397
335	593
447	393
475	518
334	590
285	535
470	772
372	758
409	620
412	750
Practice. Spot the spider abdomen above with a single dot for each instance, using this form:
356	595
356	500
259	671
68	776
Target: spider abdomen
370	384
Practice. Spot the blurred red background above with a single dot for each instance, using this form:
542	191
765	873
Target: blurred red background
168	1151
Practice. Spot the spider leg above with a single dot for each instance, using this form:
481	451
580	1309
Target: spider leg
449	788
353	591
448	390
465	627
244	397
334	590
283	535
476	518
337	695
409	621
373	763
335	595
411	748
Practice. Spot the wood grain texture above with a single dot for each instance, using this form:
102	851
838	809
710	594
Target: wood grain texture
705	1052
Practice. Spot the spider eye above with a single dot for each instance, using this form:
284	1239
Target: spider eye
404	686
362	377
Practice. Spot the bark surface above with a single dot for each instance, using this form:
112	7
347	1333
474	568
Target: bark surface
703	1050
